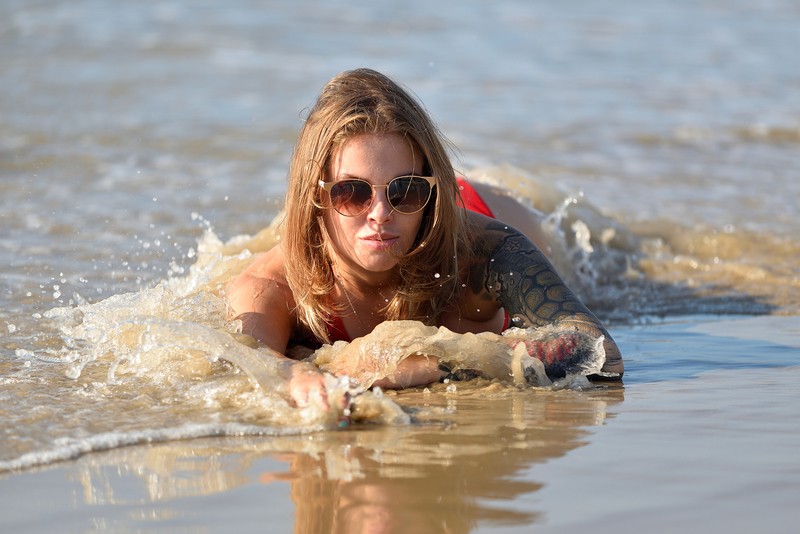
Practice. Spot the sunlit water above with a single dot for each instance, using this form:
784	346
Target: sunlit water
139	139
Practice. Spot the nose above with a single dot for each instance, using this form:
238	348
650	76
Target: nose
380	210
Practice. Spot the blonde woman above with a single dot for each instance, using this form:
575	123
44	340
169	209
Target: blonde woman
379	228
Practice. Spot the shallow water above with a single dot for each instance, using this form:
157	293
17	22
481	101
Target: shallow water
696	446
138	140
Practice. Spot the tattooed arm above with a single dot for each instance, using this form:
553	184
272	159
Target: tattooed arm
512	271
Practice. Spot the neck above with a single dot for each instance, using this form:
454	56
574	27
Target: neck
366	284
365	308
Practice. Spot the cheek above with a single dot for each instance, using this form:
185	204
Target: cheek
410	231
340	229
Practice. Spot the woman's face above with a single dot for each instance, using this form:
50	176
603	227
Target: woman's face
371	243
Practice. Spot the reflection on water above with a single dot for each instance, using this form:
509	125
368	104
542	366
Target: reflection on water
441	474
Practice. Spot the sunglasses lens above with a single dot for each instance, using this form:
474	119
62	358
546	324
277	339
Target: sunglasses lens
408	194
351	197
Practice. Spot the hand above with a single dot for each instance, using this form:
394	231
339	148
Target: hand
305	384
564	352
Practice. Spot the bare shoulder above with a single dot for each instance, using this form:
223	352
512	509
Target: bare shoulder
261	298
497	251
486	235
268	269
512	211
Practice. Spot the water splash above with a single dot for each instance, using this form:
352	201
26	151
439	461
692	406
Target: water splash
520	357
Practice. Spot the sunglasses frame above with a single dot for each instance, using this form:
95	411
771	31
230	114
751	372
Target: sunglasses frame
327	186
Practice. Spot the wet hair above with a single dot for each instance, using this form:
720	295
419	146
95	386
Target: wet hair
354	103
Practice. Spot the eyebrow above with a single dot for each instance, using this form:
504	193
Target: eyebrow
348	176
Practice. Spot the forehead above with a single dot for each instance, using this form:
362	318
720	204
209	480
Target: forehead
376	157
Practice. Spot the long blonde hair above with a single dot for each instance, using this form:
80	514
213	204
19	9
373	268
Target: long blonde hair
353	103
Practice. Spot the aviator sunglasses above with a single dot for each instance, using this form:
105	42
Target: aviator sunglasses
406	194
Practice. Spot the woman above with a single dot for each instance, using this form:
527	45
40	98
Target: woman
376	230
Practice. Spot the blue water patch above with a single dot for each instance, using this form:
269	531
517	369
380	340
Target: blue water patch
684	347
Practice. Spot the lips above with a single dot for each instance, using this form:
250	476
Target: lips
381	240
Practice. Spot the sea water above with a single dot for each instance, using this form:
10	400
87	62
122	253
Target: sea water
143	145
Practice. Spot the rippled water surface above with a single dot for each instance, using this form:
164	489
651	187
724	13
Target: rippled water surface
139	139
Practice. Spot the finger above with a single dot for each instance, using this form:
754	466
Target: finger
344	401
322	396
299	396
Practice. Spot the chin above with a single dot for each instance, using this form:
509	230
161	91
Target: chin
380	264
379	267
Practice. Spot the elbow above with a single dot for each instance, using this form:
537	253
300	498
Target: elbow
614	367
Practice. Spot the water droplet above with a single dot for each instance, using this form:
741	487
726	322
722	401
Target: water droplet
437	275
12	328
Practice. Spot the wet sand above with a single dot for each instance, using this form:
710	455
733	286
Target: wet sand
704	447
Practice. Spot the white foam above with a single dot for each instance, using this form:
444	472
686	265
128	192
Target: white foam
71	448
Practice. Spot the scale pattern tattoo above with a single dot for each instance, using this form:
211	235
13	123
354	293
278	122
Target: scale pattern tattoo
521	278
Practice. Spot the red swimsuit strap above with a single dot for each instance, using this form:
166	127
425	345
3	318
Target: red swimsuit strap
472	200
337	331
